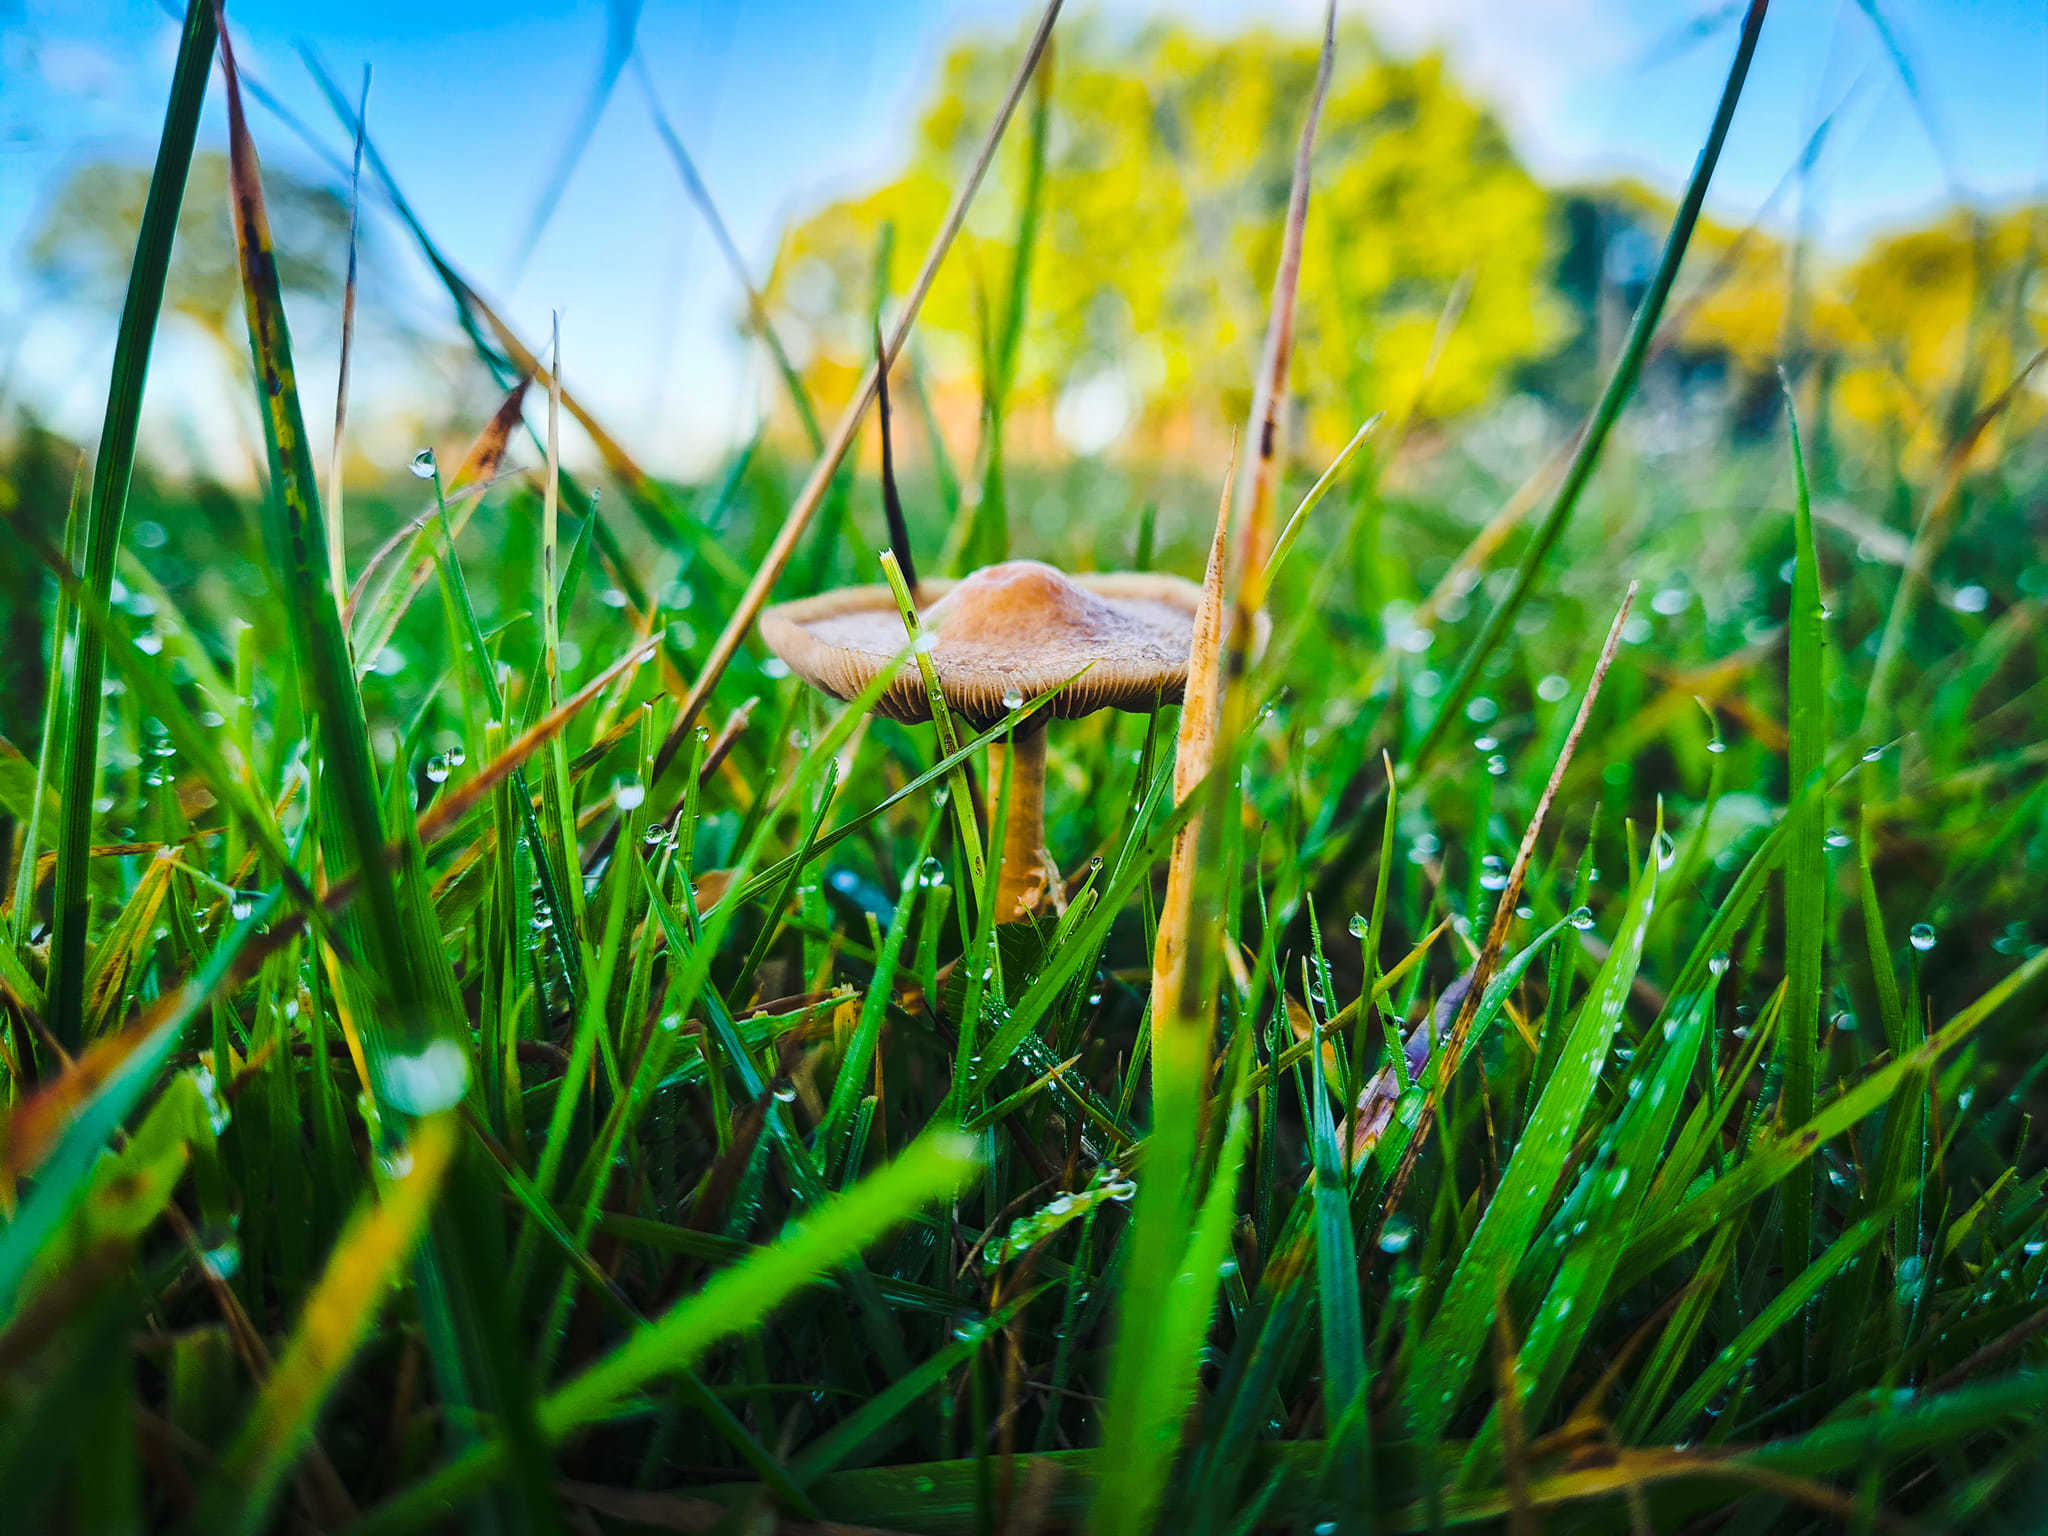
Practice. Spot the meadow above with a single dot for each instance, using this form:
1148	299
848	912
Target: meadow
486	1047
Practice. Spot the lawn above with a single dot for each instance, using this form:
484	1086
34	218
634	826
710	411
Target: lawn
488	1045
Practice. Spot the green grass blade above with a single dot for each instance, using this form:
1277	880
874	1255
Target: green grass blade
1458	1332
338	1313
1345	1378
111	475
1620	385
738	1299
1806	868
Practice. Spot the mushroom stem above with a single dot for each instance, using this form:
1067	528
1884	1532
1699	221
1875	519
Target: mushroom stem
1027	869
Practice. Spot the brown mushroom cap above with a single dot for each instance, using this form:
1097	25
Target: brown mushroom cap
1012	630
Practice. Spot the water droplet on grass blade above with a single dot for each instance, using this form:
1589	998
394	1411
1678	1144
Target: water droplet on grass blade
423	464
1581	918
1921	937
628	793
1397	1234
426	1081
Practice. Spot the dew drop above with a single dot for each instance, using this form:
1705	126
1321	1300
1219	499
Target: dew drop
1581	918
1397	1234
427	1081
437	770
223	1259
628	793
1718	965
1013	698
241	905
423	464
1921	937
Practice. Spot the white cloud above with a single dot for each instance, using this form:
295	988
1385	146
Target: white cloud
1530	59
76	67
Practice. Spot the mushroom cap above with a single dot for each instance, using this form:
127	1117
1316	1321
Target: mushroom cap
1015	630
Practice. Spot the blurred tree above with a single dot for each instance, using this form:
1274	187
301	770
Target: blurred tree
1937	321
1166	179
83	247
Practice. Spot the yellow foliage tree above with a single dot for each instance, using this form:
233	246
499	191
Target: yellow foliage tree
1165	183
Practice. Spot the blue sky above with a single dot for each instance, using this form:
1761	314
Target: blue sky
787	103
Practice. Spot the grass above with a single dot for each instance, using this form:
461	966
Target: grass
499	1053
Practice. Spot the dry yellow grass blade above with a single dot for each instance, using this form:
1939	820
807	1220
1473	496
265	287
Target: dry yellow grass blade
1194	750
1269	398
807	500
1504	915
472	478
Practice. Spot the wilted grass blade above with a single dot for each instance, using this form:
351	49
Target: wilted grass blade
111	474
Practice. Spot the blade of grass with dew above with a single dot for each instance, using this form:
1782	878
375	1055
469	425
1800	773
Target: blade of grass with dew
337	1315
1564	1320
1452	1342
55	703
934	1168
1342	1315
1620	385
550	877
111	475
1682	1225
1784	1308
1806	868
1507	906
852	1079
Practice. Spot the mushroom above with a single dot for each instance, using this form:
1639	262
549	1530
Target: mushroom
1005	634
